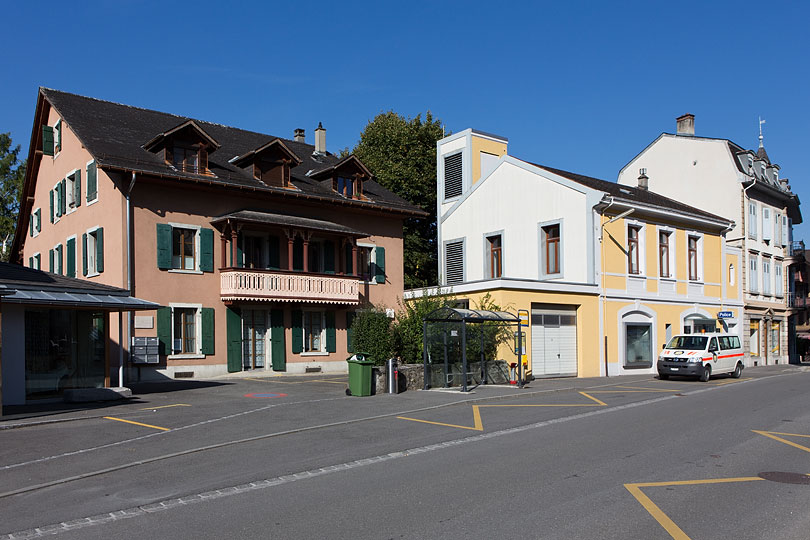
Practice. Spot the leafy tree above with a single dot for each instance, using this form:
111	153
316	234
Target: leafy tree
371	331
12	173
401	152
408	330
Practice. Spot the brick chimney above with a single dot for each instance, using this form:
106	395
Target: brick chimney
643	180
320	139
686	124
299	135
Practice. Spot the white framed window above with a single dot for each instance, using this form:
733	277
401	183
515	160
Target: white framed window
57	201
314	331
635	249
767	225
551	249
779	287
666	253
57	138
36	259
753	274
57	253
92	251
731	274
186	330
366	263
752	220
185	248
694	256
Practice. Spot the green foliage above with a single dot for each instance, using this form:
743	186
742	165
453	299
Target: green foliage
372	334
494	334
12	173
401	152
408	327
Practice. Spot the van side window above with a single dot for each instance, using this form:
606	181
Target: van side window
735	342
725	342
713	345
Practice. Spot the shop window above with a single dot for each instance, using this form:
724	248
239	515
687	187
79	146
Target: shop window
638	345
773	338
753	337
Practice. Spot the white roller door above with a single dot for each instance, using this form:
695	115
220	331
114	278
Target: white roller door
554	341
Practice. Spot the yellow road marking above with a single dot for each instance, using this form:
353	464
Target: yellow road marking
773	435
276	381
599	401
330	382
166	406
478	426
136	423
644	389
664	520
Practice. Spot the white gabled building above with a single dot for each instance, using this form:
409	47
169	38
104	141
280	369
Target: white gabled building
721	177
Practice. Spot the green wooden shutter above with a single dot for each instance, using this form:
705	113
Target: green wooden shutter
208	330
58	136
62	196
297	332
164	246
274	251
92	181
164	330
278	351
30	262
60	269
47	140
207	250
38	213
71	257
50	200
349	333
84	254
329	257
380	262
77	188
100	250
50	261
31	225
298	255
331	338
348	255
233	330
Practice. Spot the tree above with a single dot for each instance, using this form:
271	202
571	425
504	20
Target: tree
372	334
12	173
401	152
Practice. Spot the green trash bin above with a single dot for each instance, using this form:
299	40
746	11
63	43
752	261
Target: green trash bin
359	374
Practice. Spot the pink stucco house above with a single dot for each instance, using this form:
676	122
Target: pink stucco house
261	248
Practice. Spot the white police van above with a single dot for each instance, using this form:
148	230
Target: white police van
701	355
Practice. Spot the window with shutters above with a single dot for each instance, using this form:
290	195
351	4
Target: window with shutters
314	331
371	263
93	252
92	182
70	257
72	191
779	286
454	262
752	220
58	201
57	253
453	178
767	224
184	248
753	274
36	261
766	276
57	137
188	330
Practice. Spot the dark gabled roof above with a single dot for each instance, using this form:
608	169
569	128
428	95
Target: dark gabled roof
634	194
115	135
21	285
285	220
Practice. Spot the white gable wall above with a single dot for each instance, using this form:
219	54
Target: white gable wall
515	200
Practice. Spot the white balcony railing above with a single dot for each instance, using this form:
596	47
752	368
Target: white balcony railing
270	285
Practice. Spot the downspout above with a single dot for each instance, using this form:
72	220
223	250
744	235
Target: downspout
129	281
602	298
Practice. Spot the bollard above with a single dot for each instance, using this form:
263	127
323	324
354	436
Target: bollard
393	376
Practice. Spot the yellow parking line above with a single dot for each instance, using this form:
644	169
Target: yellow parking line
664	520
478	425
599	401
137	423
258	379
328	381
773	435
166	406
643	389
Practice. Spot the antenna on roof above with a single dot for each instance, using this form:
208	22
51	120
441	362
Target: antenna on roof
761	121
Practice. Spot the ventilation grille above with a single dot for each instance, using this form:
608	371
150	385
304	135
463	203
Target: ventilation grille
452	176
454	262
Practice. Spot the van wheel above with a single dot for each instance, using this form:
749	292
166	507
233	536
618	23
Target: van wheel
706	375
663	376
737	371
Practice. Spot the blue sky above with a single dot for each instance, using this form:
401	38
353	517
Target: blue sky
582	86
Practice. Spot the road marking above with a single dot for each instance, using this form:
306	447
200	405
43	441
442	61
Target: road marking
650	389
664	520
136	423
166	407
773	435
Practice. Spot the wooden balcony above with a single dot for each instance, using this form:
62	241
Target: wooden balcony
244	284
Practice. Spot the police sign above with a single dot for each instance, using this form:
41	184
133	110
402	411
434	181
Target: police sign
725	315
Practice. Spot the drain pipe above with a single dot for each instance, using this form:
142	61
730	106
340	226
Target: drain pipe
129	283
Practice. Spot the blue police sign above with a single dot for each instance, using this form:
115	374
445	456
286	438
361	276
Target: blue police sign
725	315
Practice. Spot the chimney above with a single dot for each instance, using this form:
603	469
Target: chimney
643	180
686	124
320	139
299	135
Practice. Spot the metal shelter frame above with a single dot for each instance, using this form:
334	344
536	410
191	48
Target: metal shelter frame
464	316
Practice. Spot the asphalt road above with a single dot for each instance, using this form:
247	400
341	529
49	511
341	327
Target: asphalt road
629	457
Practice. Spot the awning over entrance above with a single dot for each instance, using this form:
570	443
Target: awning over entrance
448	314
79	300
284	220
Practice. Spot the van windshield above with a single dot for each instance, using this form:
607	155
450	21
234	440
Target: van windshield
690	343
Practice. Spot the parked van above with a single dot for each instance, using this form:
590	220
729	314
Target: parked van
701	355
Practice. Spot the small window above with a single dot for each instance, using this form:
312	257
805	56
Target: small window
495	253
184	248
731	274
345	186
453	180
693	242
752	220
186	159
766	276
633	235
58	268
314	340
57	136
93	252
663	254
454	262
753	278
551	249
184	331
779	286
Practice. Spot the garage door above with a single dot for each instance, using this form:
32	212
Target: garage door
554	341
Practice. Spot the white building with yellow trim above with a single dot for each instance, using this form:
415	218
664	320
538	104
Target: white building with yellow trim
608	272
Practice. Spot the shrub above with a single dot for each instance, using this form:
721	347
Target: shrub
371	333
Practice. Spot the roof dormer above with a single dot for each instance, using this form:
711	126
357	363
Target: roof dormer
271	163
346	177
184	147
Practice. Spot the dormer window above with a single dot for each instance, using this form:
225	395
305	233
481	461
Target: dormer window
185	148
344	186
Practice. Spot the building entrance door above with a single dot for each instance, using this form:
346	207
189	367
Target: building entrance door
254	338
554	341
